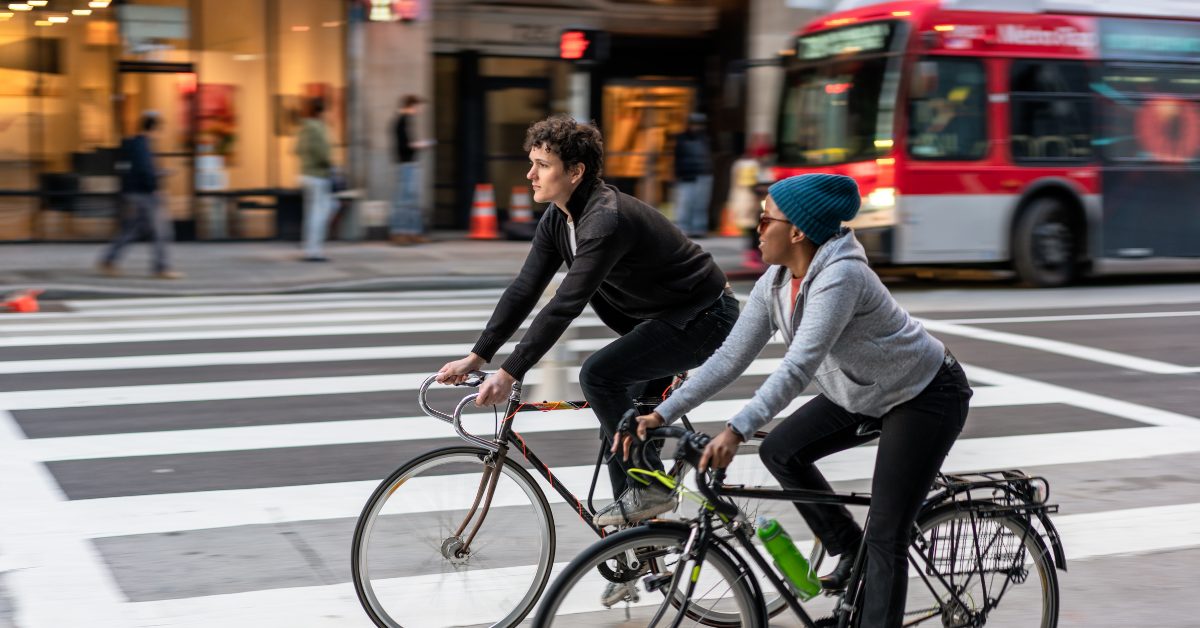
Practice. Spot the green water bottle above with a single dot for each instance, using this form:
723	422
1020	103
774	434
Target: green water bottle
788	559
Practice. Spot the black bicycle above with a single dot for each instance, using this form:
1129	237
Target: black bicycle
465	535
984	552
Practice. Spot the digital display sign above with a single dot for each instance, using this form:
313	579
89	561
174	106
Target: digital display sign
854	39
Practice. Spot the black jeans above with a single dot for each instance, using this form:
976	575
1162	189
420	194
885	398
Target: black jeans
642	362
916	437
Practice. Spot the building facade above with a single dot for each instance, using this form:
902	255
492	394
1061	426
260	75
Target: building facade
232	79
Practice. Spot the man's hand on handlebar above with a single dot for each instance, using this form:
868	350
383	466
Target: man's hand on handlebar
495	389
720	450
646	421
456	372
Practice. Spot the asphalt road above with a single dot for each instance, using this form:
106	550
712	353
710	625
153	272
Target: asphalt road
198	462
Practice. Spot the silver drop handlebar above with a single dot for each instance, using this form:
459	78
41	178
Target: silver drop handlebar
456	418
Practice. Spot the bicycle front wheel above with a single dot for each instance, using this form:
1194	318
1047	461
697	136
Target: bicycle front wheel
410	560
970	570
629	579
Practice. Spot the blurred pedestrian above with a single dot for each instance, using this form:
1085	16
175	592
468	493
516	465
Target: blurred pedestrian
142	210
761	150
693	178
407	224
316	177
745	204
662	293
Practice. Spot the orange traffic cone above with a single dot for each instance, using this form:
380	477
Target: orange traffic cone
729	226
483	214
520	209
23	301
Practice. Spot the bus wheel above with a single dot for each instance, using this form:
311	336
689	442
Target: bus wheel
1045	245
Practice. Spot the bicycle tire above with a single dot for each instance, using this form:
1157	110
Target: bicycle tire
1005	541
724	581
398	561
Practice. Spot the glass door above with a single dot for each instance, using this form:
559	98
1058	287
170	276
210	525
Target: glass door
169	89
511	105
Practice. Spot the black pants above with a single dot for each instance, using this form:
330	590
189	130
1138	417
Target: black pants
916	437
654	351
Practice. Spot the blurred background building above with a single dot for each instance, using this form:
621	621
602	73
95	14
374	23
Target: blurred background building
232	78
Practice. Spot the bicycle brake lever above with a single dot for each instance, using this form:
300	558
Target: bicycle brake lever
474	379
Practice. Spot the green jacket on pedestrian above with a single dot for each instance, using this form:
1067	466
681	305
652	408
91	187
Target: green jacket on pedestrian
314	150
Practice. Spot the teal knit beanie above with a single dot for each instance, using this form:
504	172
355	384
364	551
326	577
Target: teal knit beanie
817	204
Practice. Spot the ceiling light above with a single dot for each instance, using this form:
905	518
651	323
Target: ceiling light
36	3
58	19
6	15
43	23
81	12
98	4
299	29
20	6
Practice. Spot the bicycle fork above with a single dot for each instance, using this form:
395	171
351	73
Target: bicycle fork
455	548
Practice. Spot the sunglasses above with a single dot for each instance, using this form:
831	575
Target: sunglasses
764	220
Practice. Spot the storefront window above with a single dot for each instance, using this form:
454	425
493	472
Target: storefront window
229	87
642	118
310	65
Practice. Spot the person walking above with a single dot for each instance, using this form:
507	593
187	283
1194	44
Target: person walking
693	178
407	224
745	205
316	177
664	295
870	361
142	211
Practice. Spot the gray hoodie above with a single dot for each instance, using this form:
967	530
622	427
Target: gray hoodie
846	332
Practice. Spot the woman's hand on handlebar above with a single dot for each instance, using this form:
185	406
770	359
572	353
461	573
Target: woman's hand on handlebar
720	450
456	372
644	422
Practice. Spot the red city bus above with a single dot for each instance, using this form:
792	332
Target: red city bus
1046	137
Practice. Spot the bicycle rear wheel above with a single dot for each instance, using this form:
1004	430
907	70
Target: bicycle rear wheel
408	562
995	570
626	580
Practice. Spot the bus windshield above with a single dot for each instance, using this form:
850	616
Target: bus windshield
839	98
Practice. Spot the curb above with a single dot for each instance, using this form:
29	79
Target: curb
58	292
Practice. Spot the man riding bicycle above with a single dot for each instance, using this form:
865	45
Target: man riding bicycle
871	362
661	292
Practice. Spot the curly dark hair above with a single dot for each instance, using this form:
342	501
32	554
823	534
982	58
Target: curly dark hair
574	142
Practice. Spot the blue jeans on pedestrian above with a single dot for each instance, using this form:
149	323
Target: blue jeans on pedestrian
691	205
143	213
642	362
406	203
318	209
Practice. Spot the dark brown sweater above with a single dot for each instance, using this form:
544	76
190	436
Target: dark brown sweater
631	264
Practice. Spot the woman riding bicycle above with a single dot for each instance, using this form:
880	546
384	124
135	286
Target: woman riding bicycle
870	360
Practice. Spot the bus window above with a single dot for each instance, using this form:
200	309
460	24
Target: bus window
1150	114
947	109
1051	111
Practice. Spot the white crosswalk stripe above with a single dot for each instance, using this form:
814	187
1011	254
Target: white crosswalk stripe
73	500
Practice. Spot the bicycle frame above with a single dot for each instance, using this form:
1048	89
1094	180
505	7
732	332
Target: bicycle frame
504	439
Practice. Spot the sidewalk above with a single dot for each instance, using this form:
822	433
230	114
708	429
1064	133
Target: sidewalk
450	261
